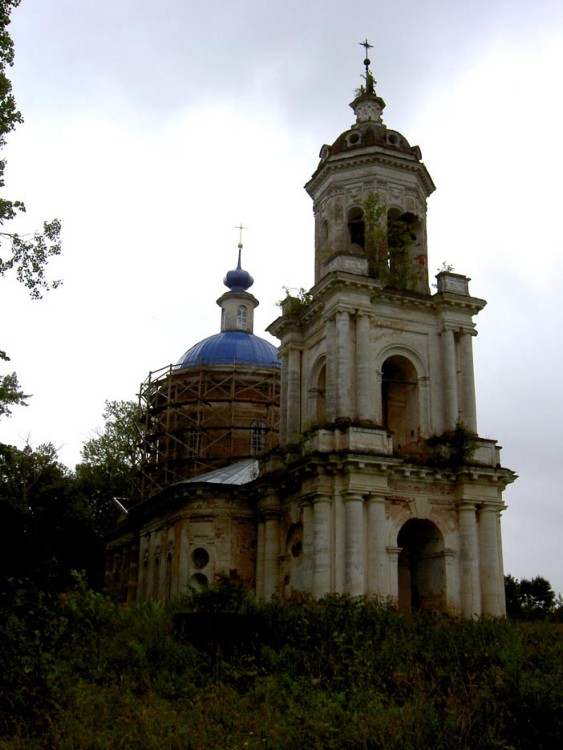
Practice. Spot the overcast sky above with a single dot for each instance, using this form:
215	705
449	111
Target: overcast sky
153	129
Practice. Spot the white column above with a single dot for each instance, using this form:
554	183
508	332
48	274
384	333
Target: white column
293	403
469	561
271	554
491	592
365	375
354	556
343	365
308	546
449	374
377	562
321	542
469	410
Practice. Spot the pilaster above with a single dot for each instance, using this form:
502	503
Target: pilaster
354	577
321	545
468	407
470	587
377	561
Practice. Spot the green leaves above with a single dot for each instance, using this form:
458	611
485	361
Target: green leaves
29	256
11	393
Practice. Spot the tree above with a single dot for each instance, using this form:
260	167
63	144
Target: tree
27	256
10	392
529	599
48	523
111	460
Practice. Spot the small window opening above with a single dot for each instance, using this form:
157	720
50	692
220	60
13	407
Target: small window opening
257	437
200	558
356	227
242	316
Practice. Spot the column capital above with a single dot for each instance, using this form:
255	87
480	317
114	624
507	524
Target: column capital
467	505
320	497
372	497
351	495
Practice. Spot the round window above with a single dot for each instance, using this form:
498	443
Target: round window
200	557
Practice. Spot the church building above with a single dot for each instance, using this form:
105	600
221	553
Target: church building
349	461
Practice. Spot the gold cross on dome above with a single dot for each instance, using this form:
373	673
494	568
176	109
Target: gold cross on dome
240	228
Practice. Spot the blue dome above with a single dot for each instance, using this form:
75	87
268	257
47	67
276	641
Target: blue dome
238	280
231	347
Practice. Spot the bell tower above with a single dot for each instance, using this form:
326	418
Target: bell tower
388	487
369	192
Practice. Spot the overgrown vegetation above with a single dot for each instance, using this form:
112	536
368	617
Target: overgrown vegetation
453	448
80	672
295	300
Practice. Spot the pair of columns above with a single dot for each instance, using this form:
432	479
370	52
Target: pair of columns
459	393
480	563
348	396
361	546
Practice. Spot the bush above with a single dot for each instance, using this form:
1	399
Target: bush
340	673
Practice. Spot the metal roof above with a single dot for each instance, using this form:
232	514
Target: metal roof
231	347
242	472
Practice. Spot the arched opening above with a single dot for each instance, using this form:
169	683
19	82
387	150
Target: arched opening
399	383
403	230
421	566
357	229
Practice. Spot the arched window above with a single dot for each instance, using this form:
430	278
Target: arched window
242	315
257	437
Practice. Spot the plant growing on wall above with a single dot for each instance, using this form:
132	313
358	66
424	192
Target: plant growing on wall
452	448
293	304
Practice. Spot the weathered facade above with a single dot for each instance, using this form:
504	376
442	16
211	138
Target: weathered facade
380	485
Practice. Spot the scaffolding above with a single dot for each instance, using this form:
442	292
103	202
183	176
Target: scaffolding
201	418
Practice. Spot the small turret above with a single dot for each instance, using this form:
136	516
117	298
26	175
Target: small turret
237	305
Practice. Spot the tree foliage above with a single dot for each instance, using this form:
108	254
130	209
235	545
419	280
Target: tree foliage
27	255
11	393
531	599
111	460
47	519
